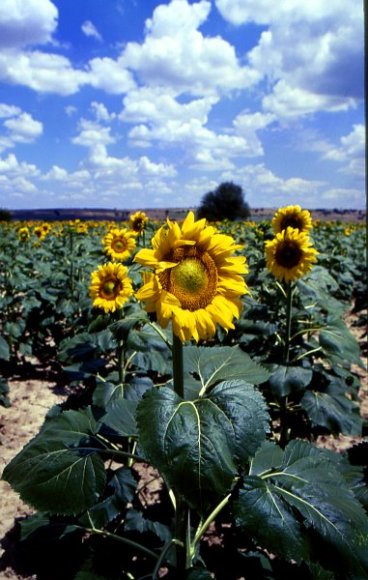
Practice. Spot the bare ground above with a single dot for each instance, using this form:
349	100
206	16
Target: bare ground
32	399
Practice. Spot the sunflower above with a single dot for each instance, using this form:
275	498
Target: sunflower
119	244
39	232
290	254
138	221
23	234
292	216
196	280
110	286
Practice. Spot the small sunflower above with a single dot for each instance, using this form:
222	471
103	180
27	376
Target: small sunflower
39	232
110	286
292	216
23	234
119	244
138	221
290	254
196	281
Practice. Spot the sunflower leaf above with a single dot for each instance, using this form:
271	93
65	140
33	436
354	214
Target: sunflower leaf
198	445
57	471
208	366
302	508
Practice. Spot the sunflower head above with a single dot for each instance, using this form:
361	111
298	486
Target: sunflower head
138	221
196	280
119	244
23	234
39	232
292	216
290	254
110	287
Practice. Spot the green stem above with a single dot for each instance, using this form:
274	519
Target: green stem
202	528
289	305
182	526
122	540
121	365
178	368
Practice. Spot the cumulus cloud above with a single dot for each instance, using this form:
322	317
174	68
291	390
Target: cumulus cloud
89	29
18	127
176	54
350	152
24	23
324	68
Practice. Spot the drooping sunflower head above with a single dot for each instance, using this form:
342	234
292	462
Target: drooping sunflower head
110	287
39	232
23	234
292	216
119	244
290	254
138	221
196	282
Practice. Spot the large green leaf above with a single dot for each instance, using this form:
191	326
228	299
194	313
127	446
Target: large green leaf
58	471
204	367
339	345
198	445
306	497
119	415
285	380
4	349
333	410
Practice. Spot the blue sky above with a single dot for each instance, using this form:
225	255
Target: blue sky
141	103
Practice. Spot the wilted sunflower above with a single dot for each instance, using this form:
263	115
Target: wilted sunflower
290	254
292	216
110	286
119	244
39	232
196	281
138	221
23	234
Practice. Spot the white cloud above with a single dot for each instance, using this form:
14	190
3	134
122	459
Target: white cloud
26	22
312	52
109	75
247	125
175	54
101	113
43	72
89	29
93	135
8	110
23	128
350	153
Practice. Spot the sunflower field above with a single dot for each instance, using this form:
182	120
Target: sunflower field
210	359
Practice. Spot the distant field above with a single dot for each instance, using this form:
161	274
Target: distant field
343	215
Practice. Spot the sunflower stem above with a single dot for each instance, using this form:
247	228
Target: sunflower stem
284	433
178	369
289	306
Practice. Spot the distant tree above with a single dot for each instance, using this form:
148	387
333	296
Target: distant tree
226	202
5	215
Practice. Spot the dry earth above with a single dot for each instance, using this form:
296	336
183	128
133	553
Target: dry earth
31	400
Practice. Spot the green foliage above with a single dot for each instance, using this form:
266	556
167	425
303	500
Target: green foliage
226	202
230	450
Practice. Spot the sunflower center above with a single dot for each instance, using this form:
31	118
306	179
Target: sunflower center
118	245
109	289
291	221
193	281
288	255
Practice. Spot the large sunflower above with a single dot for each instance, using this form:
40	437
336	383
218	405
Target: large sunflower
110	286
138	221
290	254
119	244
196	281
292	216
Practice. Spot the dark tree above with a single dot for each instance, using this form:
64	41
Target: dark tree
5	215
226	202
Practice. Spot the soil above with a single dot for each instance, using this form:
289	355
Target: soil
32	398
